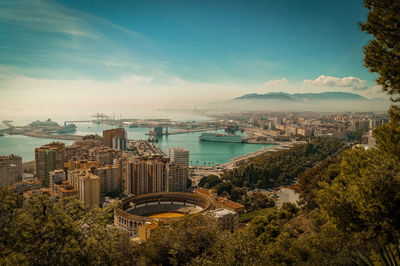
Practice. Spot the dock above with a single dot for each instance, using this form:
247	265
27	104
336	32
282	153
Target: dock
183	131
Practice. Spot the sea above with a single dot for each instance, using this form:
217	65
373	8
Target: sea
200	152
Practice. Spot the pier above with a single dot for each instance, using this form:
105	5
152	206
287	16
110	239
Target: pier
77	121
183	131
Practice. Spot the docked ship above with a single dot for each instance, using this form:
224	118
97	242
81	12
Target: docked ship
66	129
221	137
47	123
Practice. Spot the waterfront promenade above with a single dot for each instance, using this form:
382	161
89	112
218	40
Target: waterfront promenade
234	161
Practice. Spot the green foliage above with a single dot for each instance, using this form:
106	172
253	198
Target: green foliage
209	181
181	242
388	135
365	198
288	210
283	166
309	182
257	201
46	232
239	248
355	136
382	54
238	193
248	216
224	187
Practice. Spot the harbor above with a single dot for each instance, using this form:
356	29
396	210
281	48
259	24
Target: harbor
202	153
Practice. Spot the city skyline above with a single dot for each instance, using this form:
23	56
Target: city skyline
63	55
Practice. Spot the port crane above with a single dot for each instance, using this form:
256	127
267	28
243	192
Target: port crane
100	116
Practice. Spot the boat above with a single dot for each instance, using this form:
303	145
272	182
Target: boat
67	128
221	137
47	123
1	134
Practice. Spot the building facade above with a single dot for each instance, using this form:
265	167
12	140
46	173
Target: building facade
227	219
48	158
177	177
115	138
89	189
110	180
179	156
10	170
143	177
57	177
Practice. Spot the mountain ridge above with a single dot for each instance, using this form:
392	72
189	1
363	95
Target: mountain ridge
302	96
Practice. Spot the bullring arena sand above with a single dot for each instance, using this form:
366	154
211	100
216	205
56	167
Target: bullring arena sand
167	215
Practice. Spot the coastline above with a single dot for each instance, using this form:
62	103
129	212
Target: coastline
233	162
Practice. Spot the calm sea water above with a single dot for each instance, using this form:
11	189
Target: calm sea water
201	152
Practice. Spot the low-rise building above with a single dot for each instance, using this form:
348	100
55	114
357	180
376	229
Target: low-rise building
145	230
227	219
288	194
220	202
65	190
26	185
41	191
57	177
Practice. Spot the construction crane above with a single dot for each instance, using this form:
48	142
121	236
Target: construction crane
100	116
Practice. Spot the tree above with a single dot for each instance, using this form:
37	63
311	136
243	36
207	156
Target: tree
309	181
364	200
209	181
224	187
47	232
382	54
180	242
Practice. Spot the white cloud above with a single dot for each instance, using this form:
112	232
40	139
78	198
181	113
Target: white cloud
273	83
374	92
351	83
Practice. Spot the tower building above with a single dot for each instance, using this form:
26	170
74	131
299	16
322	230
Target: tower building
48	158
115	138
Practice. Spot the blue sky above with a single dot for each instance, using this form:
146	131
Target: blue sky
178	52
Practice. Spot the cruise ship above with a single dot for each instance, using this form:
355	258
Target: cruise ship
221	137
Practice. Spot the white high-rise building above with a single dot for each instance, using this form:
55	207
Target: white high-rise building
179	155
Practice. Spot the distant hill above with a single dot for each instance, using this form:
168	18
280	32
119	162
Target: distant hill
281	101
303	96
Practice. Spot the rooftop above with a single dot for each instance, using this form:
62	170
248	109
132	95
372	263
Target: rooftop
222	212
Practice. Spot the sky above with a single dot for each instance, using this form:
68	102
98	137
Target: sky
103	55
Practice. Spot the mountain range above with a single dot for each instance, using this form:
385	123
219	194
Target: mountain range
281	101
302	96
